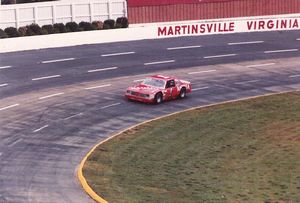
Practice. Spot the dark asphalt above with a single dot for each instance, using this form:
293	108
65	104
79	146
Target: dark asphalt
48	125
27	65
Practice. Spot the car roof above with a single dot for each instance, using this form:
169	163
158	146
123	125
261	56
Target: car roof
162	77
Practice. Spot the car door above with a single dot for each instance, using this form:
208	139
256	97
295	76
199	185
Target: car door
171	90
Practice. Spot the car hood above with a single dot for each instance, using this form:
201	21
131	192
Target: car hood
145	89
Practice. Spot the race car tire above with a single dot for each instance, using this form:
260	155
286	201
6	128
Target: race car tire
158	98
182	93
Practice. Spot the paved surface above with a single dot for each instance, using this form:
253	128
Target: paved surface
56	104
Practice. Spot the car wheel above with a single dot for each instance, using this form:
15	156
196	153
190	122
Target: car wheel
158	98
182	93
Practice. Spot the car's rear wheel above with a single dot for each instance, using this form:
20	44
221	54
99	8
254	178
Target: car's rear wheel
182	93
158	98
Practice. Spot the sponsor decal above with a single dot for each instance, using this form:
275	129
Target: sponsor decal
229	27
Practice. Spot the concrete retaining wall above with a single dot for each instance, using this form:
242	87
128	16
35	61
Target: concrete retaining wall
155	31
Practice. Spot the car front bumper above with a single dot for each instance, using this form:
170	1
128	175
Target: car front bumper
140	99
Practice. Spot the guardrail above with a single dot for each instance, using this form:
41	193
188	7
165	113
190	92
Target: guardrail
18	15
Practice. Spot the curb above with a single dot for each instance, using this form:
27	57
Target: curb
83	181
99	199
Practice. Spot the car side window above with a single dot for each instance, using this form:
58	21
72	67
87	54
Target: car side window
170	83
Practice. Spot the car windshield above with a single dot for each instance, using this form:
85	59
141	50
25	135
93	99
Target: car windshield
154	82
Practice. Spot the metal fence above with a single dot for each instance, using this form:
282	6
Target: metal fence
18	15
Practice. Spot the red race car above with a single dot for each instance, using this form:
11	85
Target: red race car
158	88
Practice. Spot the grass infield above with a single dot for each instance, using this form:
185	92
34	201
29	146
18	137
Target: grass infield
247	151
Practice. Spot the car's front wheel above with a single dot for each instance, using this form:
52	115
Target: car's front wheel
182	93
158	98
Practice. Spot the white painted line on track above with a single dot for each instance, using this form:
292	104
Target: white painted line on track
200	72
46	77
105	107
8	107
52	95
184	47
58	60
95	87
159	62
4	67
241	43
200	88
41	128
246	82
225	86
15	142
3	85
102	69
294	76
79	114
280	51
260	65
118	54
219	56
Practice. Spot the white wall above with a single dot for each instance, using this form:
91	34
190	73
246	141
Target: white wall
150	31
63	11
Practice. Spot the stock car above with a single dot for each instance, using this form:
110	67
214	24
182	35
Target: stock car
158	88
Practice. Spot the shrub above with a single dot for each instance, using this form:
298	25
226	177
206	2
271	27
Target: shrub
35	28
3	34
29	32
109	24
97	25
44	32
22	31
122	22
8	2
85	26
72	27
49	28
12	32
60	28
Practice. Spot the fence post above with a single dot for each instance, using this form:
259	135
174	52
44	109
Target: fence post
125	9
73	12
35	15
91	12
53	13
110	15
17	17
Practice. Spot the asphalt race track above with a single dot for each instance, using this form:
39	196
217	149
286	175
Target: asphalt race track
55	104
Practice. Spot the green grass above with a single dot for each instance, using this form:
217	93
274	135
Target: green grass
247	151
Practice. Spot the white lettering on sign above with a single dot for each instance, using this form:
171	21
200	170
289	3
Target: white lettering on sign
241	25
